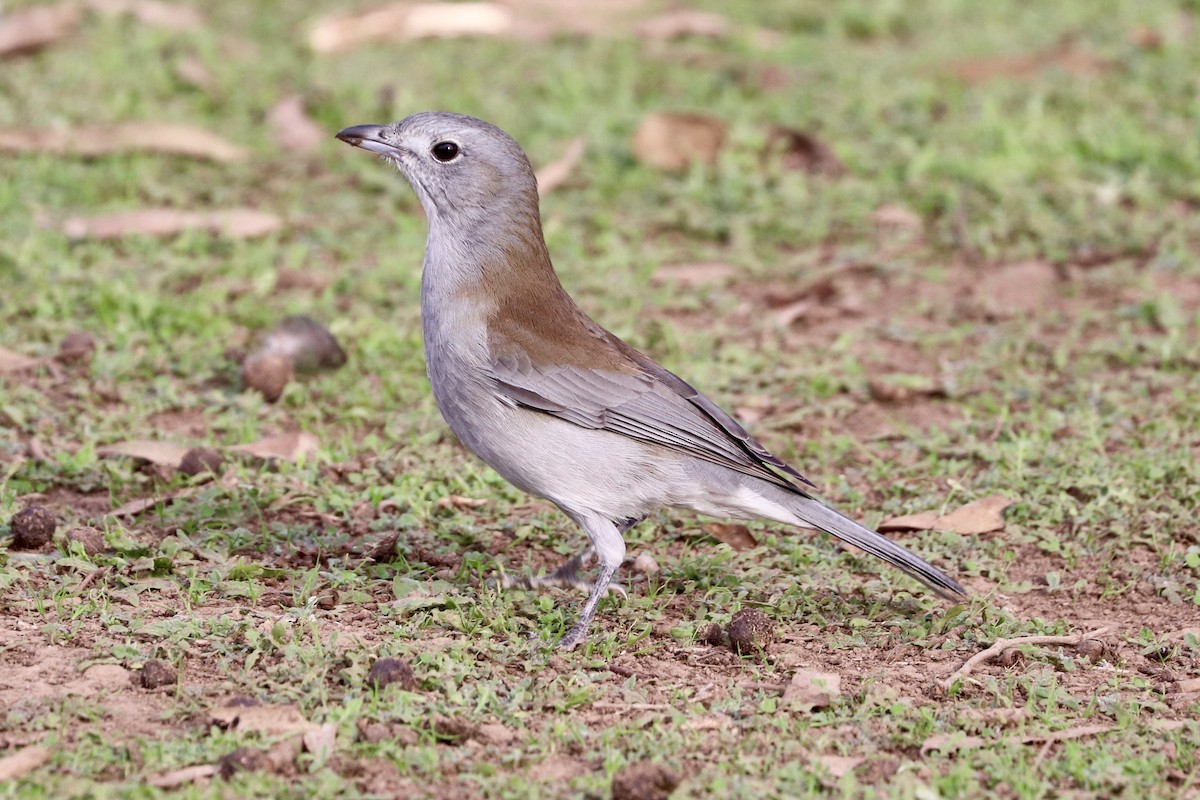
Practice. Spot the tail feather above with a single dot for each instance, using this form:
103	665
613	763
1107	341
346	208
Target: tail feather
820	516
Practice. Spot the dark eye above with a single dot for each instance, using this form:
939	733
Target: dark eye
445	151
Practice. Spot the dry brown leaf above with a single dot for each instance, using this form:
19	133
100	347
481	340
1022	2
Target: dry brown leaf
673	140
307	280
168	454
694	274
235	223
897	216
286	446
172	16
923	521
321	740
683	23
984	515
839	765
801	150
179	777
277	720
555	174
1066	57
405	21
24	761
949	742
16	362
305	343
30	29
458	501
152	137
734	534
980	516
1187	685
192	71
294	127
1017	289
810	689
135	507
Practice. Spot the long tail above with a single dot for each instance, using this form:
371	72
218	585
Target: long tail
820	516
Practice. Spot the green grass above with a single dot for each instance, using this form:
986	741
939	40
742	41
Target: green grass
1081	409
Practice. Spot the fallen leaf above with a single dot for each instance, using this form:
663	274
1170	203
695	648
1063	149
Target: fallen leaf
457	501
787	314
980	516
153	137
694	274
406	21
1003	717
803	151
839	765
24	761
923	521
950	742
673	140
287	279
276	720
179	777
236	223
1017	289
192	71
555	174
1066	57
897	216
286	446
172	16
135	507
1187	685
734	534
294	127
168	454
810	689
683	23
894	389
28	30
304	342
320	741
16	362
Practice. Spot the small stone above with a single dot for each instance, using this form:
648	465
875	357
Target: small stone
32	527
268	374
244	759
1091	649
751	632
392	671
155	673
644	780
645	564
711	634
201	459
78	346
90	539
454	730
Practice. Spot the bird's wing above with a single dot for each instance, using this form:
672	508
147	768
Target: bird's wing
647	403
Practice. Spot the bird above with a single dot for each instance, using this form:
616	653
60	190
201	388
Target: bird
557	405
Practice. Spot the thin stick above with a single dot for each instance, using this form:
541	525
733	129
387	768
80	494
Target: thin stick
1006	644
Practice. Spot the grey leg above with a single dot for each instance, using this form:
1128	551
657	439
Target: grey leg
610	547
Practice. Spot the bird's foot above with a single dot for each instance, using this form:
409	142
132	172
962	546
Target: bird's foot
530	582
573	637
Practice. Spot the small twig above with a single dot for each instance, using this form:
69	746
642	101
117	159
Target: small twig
604	705
1006	644
90	578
